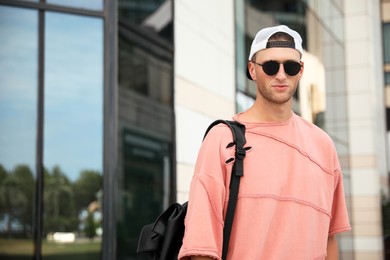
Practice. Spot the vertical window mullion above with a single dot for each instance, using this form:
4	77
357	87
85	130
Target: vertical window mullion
110	140
38	218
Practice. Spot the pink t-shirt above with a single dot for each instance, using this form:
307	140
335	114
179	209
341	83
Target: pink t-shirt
290	198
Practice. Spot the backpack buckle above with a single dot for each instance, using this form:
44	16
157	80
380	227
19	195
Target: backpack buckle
240	153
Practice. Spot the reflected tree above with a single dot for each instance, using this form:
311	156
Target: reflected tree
64	201
26	181
3	176
15	200
90	226
86	187
59	212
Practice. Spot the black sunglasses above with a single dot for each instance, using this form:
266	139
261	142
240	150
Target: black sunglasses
272	67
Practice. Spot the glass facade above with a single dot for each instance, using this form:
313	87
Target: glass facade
90	4
386	42
51	120
86	117
18	116
145	118
73	125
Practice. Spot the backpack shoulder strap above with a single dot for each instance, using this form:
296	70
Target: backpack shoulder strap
238	131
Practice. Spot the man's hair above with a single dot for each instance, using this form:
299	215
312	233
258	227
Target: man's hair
281	36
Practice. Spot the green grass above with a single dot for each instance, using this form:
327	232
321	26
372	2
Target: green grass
21	249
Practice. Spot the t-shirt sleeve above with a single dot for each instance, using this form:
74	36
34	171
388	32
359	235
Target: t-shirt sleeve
204	219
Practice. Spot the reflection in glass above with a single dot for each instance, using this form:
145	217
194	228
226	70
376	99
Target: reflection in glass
145	111
85	4
73	123
18	109
145	164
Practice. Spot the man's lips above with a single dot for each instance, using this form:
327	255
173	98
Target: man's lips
280	87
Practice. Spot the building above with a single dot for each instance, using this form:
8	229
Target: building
103	105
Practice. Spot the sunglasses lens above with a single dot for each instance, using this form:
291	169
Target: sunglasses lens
270	67
292	68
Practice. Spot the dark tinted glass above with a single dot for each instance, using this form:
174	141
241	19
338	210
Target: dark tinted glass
145	118
386	42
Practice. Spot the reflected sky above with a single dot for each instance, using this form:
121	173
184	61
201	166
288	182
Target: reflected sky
87	4
18	86
73	93
73	125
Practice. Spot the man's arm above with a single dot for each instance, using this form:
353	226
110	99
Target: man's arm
201	258
332	248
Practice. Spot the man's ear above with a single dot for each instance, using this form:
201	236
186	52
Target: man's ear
302	69
251	69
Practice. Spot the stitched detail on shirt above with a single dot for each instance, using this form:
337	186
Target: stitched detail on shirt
339	230
209	252
321	257
287	199
219	217
299	150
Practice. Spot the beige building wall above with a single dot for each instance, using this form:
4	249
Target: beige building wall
367	149
204	76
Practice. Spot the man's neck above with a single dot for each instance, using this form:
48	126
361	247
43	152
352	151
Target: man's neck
260	112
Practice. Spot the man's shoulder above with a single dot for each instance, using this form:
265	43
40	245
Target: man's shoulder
309	125
310	129
219	135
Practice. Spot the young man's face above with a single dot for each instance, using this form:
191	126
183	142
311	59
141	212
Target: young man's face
280	87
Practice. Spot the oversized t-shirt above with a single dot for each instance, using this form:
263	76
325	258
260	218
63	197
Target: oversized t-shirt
290	198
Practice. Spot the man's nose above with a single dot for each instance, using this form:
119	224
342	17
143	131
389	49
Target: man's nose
281	73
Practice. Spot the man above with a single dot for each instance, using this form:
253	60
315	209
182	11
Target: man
291	200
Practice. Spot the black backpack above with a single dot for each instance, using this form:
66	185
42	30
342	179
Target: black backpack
162	239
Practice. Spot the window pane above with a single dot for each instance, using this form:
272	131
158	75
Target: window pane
386	41
18	113
145	110
87	4
73	136
145	135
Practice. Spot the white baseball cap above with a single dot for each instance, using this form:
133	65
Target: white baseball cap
261	42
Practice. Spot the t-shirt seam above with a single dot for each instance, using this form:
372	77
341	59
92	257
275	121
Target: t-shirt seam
287	199
339	229
200	252
326	170
220	219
